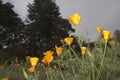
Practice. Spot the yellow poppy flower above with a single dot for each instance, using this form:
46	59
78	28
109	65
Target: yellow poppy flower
5	78
47	59
34	61
68	40
98	29
83	50
31	69
75	19
58	50
106	34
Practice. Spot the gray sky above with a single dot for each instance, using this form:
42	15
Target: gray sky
104	13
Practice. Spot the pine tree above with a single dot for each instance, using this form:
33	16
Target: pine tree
12	34
46	27
11	26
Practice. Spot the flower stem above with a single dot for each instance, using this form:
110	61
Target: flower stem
73	52
92	65
82	67
101	64
47	75
35	73
60	68
50	72
70	53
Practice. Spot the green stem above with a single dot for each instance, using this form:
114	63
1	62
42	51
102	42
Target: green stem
70	53
35	73
73	70
99	41
101	64
114	61
82	67
62	76
59	62
47	74
73	52
60	69
75	56
92	65
50	72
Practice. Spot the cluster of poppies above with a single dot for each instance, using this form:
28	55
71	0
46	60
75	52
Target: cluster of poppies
75	19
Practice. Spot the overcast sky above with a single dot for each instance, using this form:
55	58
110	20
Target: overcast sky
104	13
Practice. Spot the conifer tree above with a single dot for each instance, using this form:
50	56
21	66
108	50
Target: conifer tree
46	26
11	26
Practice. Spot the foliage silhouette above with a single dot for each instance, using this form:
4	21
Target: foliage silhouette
46	27
117	35
11	26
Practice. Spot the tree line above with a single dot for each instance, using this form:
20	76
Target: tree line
42	30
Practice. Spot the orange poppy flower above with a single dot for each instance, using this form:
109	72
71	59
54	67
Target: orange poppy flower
31	69
98	29
47	59
83	50
48	53
1	67
75	19
5	78
58	50
112	42
110	35
68	40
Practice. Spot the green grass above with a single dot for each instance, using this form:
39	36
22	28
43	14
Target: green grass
87	67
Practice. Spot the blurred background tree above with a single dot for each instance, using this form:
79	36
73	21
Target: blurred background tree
11	26
45	26
117	35
12	33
